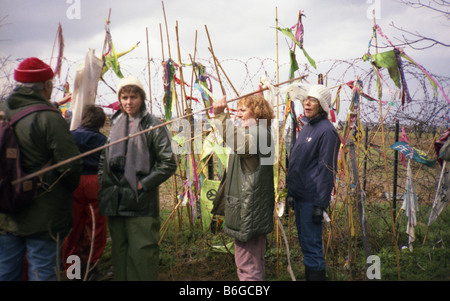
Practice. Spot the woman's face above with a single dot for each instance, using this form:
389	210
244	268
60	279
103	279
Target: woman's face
131	103
246	115
311	107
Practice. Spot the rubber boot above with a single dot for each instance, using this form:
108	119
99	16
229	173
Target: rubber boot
312	275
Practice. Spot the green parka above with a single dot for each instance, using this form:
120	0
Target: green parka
248	192
116	197
44	139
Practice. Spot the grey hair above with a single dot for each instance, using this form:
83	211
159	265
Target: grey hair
35	86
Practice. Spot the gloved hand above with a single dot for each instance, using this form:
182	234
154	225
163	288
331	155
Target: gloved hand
290	202
317	215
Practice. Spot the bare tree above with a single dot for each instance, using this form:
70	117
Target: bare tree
414	38
6	83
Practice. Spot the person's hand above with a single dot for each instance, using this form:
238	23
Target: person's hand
64	100
317	215
290	202
220	105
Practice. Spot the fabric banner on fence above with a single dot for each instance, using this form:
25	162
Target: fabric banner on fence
208	193
413	153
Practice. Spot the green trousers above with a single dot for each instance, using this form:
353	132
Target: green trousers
135	249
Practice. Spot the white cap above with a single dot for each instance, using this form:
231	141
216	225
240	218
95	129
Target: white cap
321	93
129	81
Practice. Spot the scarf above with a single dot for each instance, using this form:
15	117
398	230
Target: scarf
130	157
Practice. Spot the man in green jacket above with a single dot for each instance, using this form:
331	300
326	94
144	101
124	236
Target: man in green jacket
44	139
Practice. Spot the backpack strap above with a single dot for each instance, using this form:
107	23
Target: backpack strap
24	112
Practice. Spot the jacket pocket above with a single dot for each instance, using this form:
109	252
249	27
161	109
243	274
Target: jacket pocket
130	202
107	201
233	213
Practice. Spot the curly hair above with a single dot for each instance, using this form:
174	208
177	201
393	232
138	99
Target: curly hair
259	106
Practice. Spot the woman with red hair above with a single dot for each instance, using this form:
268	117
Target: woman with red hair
248	187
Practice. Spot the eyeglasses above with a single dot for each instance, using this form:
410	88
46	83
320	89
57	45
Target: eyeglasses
311	99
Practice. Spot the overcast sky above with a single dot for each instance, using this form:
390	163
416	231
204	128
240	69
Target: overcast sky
334	29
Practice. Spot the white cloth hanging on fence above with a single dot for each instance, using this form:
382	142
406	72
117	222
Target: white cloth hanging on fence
410	205
85	86
441	197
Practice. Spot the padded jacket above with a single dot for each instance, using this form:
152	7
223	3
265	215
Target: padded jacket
313	162
249	196
44	139
116	197
88	139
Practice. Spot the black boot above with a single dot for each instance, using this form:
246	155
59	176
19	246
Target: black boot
312	275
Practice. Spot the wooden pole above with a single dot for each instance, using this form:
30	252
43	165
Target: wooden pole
215	63
174	183
149	74
394	188
162	43
193	74
386	171
167	31
54	43
278	135
224	93
224	73
182	89
107	22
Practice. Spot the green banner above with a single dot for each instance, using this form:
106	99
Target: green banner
207	195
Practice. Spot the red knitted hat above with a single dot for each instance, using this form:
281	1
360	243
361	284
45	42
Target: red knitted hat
32	70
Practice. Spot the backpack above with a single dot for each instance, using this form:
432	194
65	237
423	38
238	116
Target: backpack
15	197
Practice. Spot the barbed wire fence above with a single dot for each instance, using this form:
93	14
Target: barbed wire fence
427	107
428	110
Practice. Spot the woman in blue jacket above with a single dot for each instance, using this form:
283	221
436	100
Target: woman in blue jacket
86	217
311	173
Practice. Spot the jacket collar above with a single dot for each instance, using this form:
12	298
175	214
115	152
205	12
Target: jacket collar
315	120
24	96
